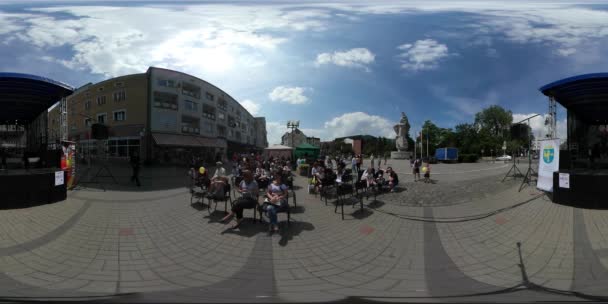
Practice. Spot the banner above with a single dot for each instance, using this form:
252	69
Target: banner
548	162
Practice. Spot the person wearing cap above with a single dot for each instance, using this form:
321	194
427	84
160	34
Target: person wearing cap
218	181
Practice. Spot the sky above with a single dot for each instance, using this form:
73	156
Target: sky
339	67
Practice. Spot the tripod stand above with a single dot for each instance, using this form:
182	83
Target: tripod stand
513	169
103	167
529	174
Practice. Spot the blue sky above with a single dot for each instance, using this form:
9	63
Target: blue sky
341	68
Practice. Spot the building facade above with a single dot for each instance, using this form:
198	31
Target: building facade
165	115
299	138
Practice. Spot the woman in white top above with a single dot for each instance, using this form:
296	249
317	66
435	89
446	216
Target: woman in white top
276	197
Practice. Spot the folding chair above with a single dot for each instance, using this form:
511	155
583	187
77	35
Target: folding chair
227	198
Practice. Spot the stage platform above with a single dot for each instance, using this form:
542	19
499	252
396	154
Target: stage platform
588	188
20	187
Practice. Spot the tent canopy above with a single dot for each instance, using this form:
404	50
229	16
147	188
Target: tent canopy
278	147
307	150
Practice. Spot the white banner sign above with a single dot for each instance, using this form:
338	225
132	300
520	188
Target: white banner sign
59	178
548	162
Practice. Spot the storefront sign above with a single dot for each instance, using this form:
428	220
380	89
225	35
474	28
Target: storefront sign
564	180
548	163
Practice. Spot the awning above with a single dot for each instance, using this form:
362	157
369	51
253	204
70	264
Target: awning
176	140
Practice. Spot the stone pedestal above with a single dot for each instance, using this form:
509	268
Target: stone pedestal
400	155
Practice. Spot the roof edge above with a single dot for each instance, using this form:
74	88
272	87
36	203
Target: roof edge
544	89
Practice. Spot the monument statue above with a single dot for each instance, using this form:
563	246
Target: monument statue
402	129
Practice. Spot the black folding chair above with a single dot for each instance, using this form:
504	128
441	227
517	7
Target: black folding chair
226	198
344	191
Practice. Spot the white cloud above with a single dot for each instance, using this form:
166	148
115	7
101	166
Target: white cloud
252	107
210	39
422	55
274	131
291	95
563	26
357	57
354	123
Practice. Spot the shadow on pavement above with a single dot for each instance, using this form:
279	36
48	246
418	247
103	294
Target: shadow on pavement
294	229
298	209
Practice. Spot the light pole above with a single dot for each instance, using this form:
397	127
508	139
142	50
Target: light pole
293	125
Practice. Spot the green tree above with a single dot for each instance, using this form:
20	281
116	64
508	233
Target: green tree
496	120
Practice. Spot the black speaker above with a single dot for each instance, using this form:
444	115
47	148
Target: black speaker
520	131
99	131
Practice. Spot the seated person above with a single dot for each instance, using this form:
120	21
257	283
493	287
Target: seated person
218	182
202	178
276	201
380	180
319	174
263	178
393	179
248	188
369	177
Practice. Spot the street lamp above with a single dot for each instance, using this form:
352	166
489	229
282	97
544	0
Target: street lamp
293	124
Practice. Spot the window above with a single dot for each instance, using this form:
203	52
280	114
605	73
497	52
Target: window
231	121
237	134
209	96
87	104
208	127
221	131
120	115
101	118
100	89
101	100
221	116
222	104
122	147
191	106
190	125
87	122
191	90
165	100
119	95
166	83
208	111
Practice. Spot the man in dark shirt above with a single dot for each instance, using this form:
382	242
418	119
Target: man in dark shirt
135	165
393	178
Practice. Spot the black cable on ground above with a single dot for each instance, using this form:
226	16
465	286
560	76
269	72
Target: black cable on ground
455	219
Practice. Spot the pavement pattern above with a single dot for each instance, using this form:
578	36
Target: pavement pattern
466	237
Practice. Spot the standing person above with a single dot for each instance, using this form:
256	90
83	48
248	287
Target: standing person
393	179
359	160
276	201
417	164
371	160
248	200
427	172
353	162
135	165
385	158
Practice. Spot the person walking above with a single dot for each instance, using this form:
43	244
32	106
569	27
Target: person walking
135	165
